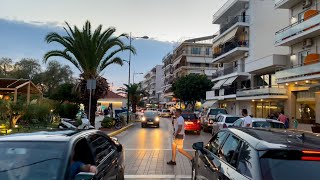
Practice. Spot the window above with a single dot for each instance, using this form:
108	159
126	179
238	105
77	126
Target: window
238	122
230	150
195	64
195	50
302	56
101	147
216	141
245	165
207	51
207	65
231	119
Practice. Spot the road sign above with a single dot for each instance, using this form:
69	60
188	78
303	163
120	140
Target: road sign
91	84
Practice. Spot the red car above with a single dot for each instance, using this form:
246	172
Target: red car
191	122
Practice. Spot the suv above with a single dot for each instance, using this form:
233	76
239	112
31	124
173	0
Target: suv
223	121
260	154
48	154
211	117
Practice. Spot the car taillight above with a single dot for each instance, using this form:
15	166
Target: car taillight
225	126
310	155
198	121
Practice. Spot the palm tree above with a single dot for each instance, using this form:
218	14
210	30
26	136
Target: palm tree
136	93
90	52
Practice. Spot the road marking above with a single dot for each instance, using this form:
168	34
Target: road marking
157	176
129	149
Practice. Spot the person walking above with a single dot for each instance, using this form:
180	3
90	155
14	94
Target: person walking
284	119
178	138
247	119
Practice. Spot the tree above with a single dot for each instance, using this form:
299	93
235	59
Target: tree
192	88
135	94
90	52
6	65
65	93
26	69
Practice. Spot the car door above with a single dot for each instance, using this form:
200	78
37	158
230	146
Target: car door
238	122
105	155
207	158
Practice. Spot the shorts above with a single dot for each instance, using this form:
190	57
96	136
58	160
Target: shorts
178	142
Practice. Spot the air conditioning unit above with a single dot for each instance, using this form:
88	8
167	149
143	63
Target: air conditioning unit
220	65
246	54
306	3
307	43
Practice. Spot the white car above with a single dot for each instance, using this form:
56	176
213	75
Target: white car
260	123
223	121
165	113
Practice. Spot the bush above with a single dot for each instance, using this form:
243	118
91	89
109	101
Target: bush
67	110
107	122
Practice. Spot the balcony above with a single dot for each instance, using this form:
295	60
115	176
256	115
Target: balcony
274	92
309	27
301	72
228	70
228	9
230	50
242	20
195	52
285	4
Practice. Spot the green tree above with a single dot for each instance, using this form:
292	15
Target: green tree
26	69
11	112
192	88
65	93
136	93
90	52
6	65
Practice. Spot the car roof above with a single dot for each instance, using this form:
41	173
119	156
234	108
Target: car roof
264	119
265	139
55	135
230	115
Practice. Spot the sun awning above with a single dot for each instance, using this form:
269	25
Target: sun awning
219	84
218	42
230	81
229	36
209	103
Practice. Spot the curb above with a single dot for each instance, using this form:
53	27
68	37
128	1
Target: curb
120	130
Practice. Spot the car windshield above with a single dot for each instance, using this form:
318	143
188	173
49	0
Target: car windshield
188	116
266	124
150	114
231	119
165	110
217	111
288	165
36	160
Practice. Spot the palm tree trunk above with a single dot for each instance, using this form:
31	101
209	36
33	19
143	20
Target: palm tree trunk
92	117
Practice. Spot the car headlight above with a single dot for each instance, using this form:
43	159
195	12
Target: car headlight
157	119
143	118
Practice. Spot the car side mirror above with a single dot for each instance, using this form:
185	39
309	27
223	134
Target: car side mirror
84	176
198	146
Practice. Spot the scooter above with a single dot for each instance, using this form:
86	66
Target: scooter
72	124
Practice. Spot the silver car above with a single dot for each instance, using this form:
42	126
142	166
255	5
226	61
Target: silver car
261	123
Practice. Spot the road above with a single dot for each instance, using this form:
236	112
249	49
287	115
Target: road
148	149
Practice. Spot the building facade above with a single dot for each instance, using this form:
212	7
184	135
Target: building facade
152	84
247	59
191	56
301	76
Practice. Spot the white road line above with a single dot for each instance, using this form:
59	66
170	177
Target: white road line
129	149
157	176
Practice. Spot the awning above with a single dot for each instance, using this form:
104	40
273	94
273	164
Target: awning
217	43
219	84
230	81
229	36
209	103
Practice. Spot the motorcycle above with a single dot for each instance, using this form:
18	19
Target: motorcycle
72	124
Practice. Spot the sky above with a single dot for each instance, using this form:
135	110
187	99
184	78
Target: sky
24	24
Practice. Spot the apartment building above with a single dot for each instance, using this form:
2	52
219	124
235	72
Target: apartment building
153	83
301	76
191	56
247	59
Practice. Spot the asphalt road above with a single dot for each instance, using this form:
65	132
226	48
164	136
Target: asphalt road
148	149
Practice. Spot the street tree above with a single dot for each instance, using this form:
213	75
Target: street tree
6	65
136	93
65	93
90	52
26	68
192	88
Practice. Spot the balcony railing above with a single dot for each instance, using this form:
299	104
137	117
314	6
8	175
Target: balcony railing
233	21
227	70
193	53
277	2
230	46
261	91
297	28
230	90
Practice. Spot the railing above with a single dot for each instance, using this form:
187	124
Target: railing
277	2
230	46
230	90
166	57
233	21
261	91
227	70
296	28
225	6
194	53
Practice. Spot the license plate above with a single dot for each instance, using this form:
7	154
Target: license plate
150	123
188	122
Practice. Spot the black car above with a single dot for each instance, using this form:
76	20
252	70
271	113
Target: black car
150	118
259	154
47	155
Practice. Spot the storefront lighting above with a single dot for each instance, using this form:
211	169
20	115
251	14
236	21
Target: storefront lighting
296	83
261	99
252	100
287	84
307	81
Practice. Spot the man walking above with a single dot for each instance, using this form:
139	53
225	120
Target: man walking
178	137
247	119
284	119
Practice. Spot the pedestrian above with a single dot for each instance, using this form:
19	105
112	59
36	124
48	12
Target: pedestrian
284	119
247	119
178	138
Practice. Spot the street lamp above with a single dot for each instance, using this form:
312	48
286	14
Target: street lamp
134	73
129	62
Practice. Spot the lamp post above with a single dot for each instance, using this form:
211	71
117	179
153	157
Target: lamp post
134	73
129	63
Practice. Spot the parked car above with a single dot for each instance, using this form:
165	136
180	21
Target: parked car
165	113
223	121
211	117
150	118
191	122
259	154
47	155
260	123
